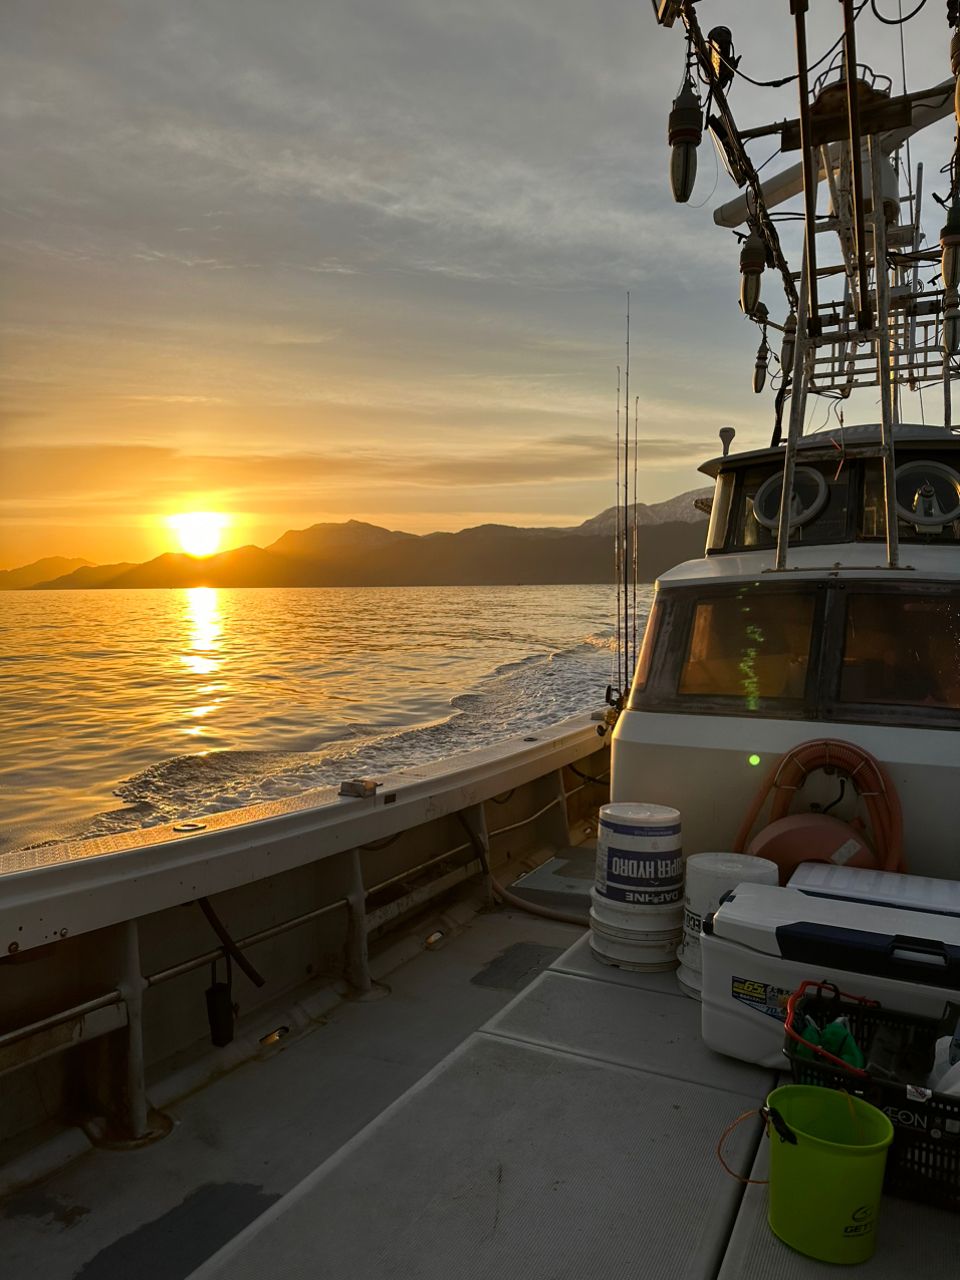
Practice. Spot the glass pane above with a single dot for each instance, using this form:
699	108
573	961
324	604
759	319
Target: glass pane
930	491
829	525
749	646
910	494
902	649
720	512
642	673
809	498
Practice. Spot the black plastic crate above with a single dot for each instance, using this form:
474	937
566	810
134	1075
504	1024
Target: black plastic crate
923	1162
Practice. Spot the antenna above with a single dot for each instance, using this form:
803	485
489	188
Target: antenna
625	562
617	569
636	437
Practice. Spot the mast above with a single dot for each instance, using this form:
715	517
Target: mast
871	317
888	396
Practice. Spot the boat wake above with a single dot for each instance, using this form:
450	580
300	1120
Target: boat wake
514	698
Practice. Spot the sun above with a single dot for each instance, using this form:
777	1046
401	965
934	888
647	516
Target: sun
199	532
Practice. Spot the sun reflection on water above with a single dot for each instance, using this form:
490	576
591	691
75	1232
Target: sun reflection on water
202	655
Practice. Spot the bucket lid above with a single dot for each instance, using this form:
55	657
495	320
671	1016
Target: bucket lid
734	863
648	814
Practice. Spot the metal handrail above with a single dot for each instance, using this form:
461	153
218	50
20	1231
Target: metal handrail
263	935
462	848
197	962
515	826
412	871
58	1019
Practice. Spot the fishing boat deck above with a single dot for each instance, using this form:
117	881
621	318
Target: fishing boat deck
572	1135
455	1128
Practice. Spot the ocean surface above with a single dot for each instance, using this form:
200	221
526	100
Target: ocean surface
123	709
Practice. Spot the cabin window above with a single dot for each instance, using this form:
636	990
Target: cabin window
642	673
820	505
902	650
809	490
927	496
720	511
750	647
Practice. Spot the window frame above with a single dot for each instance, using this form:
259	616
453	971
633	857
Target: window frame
896	714
856	466
679	606
736	515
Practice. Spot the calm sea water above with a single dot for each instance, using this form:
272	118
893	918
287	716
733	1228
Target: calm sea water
123	709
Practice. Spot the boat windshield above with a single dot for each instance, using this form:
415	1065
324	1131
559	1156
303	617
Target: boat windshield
829	650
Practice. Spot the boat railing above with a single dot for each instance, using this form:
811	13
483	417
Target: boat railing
105	923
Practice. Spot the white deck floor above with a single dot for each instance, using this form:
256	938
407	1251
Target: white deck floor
244	1141
572	1135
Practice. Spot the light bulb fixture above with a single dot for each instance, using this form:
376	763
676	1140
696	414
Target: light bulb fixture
760	368
789	345
683	171
951	322
950	244
684	131
753	259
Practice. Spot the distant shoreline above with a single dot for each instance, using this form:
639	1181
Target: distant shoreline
354	554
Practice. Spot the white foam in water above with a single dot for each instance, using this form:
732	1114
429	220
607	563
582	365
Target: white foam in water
142	707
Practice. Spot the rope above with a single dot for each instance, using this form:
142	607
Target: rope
749	1182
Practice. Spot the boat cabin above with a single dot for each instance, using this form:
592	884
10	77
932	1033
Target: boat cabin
742	661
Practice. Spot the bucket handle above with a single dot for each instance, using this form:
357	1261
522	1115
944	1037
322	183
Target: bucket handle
817	1049
772	1116
750	1182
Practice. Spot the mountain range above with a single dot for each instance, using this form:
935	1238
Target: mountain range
30	575
357	554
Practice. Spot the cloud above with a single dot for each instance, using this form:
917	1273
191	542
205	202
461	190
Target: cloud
138	479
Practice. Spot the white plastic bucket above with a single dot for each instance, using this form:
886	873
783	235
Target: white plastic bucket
636	912
708	877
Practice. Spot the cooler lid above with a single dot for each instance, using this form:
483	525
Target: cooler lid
883	888
913	946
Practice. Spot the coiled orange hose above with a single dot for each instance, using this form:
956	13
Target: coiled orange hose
866	773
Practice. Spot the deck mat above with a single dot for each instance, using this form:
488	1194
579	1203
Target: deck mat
631	1026
513	1160
516	966
581	960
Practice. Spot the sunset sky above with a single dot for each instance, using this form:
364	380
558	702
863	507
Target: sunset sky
300	261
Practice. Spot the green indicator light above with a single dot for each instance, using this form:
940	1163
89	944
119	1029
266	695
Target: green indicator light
754	760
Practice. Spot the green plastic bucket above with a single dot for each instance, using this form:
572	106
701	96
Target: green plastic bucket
828	1151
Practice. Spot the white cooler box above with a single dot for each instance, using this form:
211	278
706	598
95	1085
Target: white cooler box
764	940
